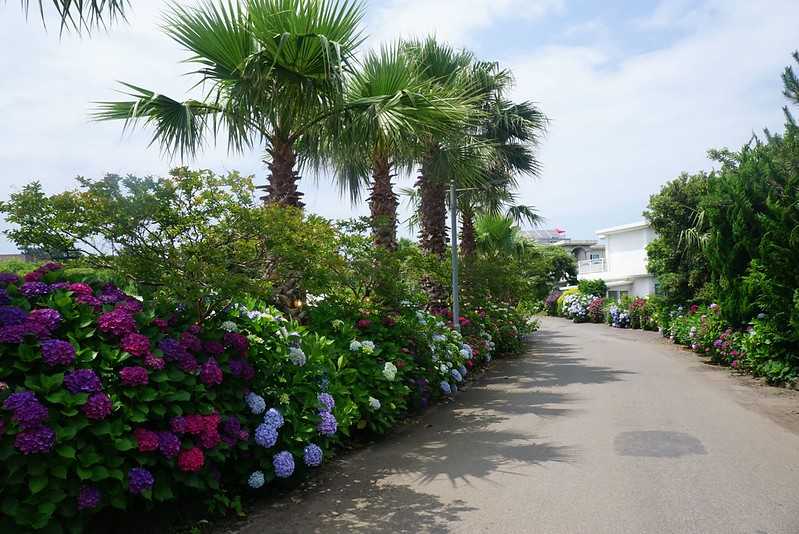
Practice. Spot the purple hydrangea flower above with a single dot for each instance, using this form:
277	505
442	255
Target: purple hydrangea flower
83	381
237	342
27	410
13	334
89	497
4	296
129	305
265	435
89	300
327	401
139	480
312	455
445	387
47	317
178	424
283	463
51	266
34	289
57	352
273	418
16	400
211	373
255	403
12	315
241	368
328	424
168	444
111	294
97	407
117	322
35	440
191	342
172	349
8	278
188	364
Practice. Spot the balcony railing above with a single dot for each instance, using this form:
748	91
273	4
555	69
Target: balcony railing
591	266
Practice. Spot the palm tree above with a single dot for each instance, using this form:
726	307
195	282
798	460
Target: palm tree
273	71
498	236
82	14
440	156
391	108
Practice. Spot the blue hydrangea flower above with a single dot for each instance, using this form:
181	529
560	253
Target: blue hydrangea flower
256	480
456	375
462	370
445	387
327	401
283	463
328	425
265	435
273	418
312	455
255	403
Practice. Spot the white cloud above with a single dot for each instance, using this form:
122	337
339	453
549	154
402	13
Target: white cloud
456	21
623	125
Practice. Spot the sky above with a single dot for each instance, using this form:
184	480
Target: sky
636	92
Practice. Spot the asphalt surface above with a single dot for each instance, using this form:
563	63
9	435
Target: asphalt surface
593	431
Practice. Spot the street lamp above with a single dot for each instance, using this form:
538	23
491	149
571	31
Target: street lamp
456	305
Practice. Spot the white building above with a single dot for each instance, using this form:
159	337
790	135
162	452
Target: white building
622	263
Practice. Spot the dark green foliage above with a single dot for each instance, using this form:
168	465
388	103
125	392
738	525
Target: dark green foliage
596	287
677	262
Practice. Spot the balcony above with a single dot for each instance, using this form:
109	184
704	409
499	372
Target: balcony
591	266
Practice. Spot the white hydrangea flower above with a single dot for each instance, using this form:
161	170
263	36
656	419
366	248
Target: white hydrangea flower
374	403
390	371
438	338
297	356
355	345
229	326
368	346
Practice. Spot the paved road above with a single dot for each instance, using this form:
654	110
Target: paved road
594	431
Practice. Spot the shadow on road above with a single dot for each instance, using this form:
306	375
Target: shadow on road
395	485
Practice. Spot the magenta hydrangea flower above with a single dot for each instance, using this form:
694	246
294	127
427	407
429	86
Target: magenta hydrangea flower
57	352
211	373
82	381
89	497
117	322
97	407
146	440
34	289
89	300
153	362
12	315
139	480
130	305
237	342
47	317
35	440
168	444
136	344
161	324
33	276
79	288
214	348
191	342
188	364
134	376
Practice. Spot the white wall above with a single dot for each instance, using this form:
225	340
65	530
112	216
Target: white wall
643	287
626	251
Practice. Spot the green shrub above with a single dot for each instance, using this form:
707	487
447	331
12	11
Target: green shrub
596	287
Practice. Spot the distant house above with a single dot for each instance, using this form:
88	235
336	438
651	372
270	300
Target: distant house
622	263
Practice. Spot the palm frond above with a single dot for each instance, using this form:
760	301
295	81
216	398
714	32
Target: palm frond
82	15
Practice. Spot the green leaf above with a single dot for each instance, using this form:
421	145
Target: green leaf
124	444
99	473
66	451
59	471
37	484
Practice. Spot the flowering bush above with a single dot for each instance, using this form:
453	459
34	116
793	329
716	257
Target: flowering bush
551	302
618	317
596	310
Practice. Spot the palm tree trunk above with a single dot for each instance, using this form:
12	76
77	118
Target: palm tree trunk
281	185
383	205
468	239
433	211
433	233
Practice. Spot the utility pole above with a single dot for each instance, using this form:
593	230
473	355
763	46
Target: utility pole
456	305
